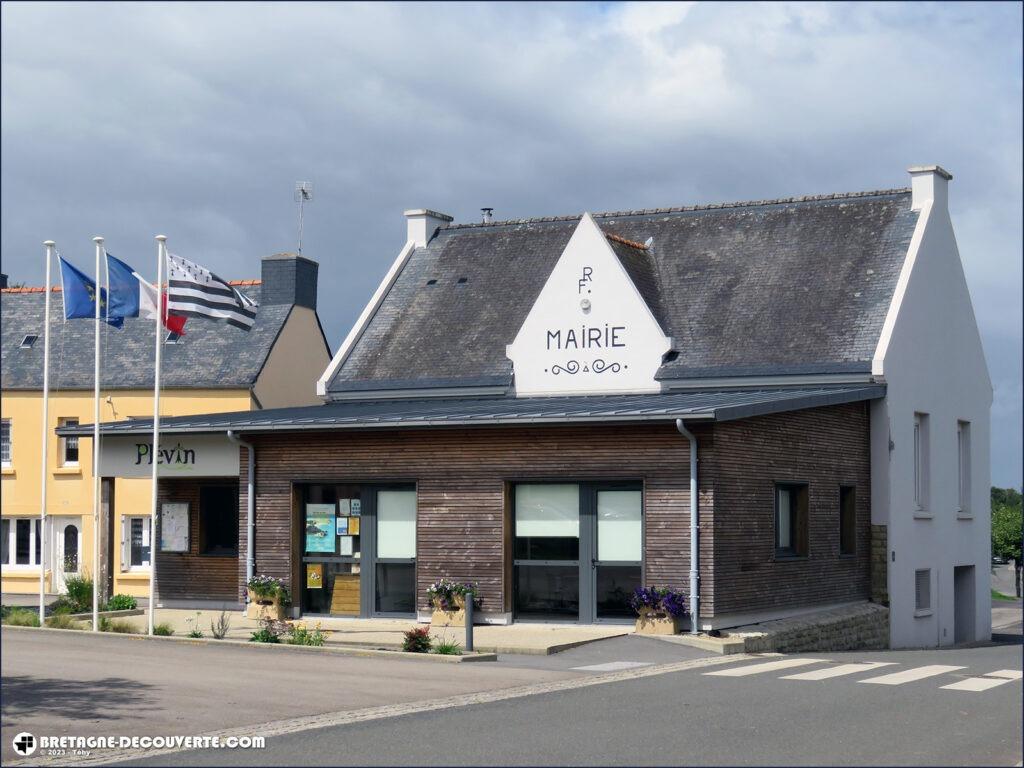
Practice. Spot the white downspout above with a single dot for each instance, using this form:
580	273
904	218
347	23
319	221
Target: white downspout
694	549
250	508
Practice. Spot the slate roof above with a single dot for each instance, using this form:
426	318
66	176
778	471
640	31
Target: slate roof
794	286
210	354
431	412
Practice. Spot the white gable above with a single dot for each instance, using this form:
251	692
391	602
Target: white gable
590	332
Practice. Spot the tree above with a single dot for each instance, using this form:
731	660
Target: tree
1008	529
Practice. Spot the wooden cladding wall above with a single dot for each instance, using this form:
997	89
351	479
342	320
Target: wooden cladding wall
462	476
823	447
190	575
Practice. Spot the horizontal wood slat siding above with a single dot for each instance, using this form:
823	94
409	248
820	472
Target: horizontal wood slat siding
824	447
192	576
461	477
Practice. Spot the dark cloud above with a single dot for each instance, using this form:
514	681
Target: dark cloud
195	121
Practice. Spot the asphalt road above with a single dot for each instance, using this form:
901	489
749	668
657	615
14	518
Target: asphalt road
691	717
624	701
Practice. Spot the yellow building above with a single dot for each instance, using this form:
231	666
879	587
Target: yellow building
211	368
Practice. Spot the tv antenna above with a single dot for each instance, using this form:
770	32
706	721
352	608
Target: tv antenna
303	195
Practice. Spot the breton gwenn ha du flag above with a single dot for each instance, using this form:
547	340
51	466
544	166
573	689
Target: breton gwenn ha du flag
132	296
195	291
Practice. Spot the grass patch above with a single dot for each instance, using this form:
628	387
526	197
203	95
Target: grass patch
21	617
163	629
120	626
447	648
63	621
1001	596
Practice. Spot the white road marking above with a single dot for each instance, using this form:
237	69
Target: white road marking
613	666
976	684
838	671
768	666
1009	674
910	675
989	680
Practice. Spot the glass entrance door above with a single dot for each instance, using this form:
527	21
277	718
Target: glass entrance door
577	550
617	561
547	551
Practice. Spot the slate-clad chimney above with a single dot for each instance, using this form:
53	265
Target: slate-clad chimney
288	279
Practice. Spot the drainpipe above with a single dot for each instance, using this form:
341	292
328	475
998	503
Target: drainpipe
250	508
694	551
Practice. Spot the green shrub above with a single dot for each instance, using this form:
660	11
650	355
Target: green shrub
120	626
447	648
63	621
21	617
301	635
163	629
270	631
417	640
61	606
122	603
79	595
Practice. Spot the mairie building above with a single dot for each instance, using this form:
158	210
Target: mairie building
211	367
546	407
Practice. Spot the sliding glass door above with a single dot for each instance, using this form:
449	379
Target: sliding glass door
577	551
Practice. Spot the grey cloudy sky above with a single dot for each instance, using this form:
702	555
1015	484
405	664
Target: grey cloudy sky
195	121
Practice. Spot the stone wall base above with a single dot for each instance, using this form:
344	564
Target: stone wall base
864	626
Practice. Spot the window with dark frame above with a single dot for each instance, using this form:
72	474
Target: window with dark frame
790	520
5	442
69	445
218	521
847	520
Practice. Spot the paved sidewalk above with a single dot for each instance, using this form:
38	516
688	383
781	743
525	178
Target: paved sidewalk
522	638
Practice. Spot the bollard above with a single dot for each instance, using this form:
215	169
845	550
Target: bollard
470	596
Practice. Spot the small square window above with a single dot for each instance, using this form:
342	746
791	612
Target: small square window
462	280
28	341
172	338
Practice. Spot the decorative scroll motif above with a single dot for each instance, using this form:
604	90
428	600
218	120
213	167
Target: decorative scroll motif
574	366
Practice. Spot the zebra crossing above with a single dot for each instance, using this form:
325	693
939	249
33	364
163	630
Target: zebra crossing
829	670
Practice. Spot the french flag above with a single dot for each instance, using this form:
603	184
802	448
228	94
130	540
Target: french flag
130	295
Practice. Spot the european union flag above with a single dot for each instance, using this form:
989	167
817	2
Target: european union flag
79	294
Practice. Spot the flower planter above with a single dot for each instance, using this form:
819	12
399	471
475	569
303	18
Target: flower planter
264	608
455	618
654	624
448	618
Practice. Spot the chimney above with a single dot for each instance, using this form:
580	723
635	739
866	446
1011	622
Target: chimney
288	279
423	223
929	184
488	215
3	280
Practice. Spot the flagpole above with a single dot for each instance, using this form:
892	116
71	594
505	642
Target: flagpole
161	256
50	245
96	451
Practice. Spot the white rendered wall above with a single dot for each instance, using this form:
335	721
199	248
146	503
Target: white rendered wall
932	361
589	332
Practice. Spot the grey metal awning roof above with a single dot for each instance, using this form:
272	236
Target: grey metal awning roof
720	405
